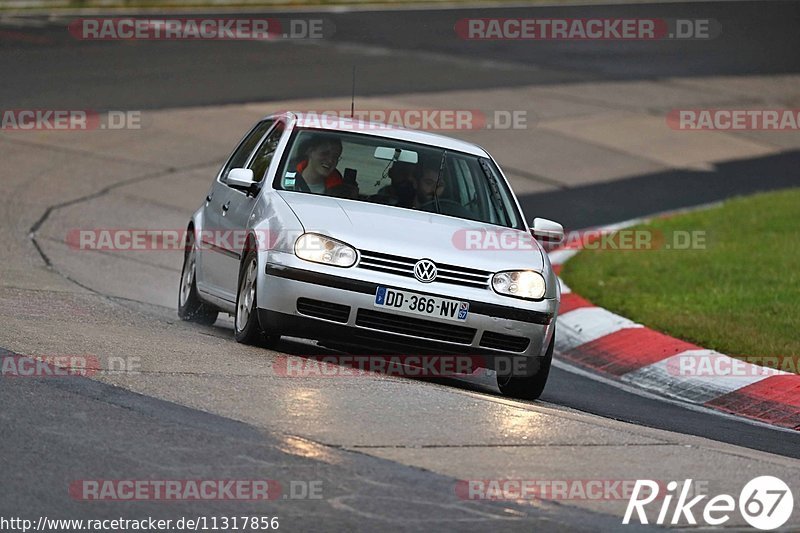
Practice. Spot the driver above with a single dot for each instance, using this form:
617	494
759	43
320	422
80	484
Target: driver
430	187
427	189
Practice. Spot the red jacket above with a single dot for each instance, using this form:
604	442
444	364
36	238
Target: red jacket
334	179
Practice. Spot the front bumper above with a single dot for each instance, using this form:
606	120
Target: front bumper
362	325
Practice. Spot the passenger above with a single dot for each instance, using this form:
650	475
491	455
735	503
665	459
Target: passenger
401	190
317	173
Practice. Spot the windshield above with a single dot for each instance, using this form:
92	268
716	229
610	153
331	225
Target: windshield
397	173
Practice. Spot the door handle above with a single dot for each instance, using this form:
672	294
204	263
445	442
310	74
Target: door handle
226	207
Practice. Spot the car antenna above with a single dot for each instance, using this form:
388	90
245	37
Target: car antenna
353	95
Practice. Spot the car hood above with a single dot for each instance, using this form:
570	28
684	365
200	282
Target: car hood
416	234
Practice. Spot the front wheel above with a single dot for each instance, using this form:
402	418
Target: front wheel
529	387
190	307
246	326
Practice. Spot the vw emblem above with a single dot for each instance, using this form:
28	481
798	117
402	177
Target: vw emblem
425	270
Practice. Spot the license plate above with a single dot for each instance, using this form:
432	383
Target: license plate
420	304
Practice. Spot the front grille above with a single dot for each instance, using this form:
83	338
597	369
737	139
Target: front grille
414	326
404	266
508	343
324	310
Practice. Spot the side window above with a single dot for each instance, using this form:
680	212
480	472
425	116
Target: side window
266	152
246	147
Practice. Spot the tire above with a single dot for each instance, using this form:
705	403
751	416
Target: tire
529	387
190	307
246	326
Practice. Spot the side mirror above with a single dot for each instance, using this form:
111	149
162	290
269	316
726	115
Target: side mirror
547	230
240	178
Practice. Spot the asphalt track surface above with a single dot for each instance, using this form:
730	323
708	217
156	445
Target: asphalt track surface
418	51
142	434
413	51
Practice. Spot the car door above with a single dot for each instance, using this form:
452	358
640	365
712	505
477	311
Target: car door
235	220
214	252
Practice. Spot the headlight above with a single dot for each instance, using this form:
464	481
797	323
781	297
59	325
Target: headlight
520	283
321	249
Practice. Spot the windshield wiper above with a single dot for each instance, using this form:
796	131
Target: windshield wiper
497	198
438	179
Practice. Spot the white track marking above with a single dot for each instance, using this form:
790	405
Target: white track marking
566	367
586	324
559	257
666	377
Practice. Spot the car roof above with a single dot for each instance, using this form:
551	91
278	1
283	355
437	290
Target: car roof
343	124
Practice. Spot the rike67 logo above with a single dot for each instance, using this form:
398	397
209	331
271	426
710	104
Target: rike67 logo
765	503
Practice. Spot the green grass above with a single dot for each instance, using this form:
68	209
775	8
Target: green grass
740	295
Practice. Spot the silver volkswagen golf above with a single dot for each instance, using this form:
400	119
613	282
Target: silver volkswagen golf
375	237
